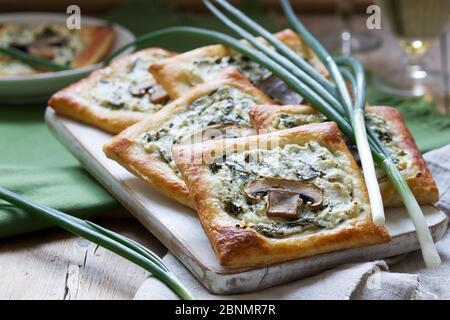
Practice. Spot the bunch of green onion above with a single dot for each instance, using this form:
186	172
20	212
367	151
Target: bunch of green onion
127	248
331	98
38	63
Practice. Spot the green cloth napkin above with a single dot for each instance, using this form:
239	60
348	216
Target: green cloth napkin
34	164
430	128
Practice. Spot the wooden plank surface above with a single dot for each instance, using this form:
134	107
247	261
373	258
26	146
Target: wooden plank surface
55	264
36	266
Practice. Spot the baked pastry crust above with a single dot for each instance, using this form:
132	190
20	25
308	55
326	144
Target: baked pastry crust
77	101
131	154
98	41
238	246
177	77
416	172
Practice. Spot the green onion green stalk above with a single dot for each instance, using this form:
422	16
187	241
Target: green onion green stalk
357	116
355	113
105	238
38	63
358	82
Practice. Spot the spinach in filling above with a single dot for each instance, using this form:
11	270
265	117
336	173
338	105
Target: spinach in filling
258	75
224	105
117	90
375	121
378	124
310	162
286	121
251	70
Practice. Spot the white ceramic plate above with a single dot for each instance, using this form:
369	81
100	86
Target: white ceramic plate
39	87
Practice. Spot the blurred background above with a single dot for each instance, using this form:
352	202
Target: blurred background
417	26
99	6
406	58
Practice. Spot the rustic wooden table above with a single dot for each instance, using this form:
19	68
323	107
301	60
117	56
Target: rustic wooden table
54	264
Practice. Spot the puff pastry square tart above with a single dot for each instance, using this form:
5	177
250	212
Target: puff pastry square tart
55	42
387	123
117	96
179	74
280	196
145	149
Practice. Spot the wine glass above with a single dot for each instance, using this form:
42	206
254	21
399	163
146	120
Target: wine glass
416	24
345	40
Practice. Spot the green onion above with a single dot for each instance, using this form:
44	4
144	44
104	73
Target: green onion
359	125
41	64
348	76
429	251
284	62
105	238
276	43
355	114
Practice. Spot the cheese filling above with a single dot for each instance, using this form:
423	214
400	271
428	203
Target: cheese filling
201	69
311	162
286	121
224	105
375	121
378	124
115	90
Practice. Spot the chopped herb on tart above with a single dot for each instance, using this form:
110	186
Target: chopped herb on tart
286	121
227	105
377	122
251	70
131	87
265	190
381	128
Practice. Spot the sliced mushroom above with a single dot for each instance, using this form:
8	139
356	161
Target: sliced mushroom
49	41
282	192
45	52
158	94
42	48
279	91
19	46
141	89
283	204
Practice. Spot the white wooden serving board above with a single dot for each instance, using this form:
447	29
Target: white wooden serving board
180	230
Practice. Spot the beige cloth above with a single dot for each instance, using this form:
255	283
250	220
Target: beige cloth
407	278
